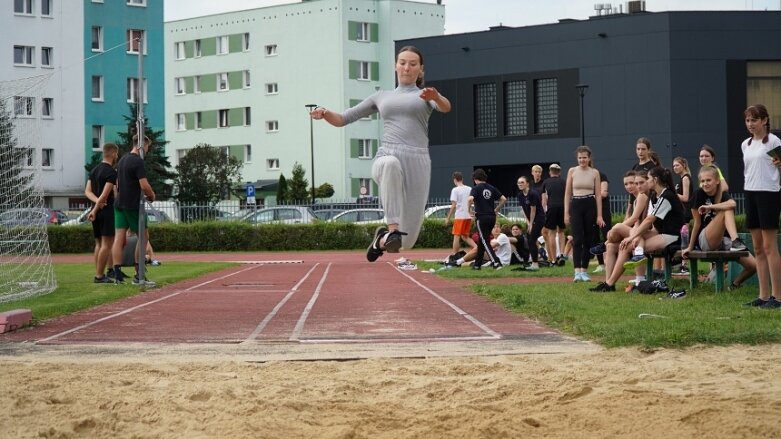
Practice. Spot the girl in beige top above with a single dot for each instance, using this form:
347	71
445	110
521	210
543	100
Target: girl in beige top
582	209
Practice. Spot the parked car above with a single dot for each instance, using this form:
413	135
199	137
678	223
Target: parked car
327	213
189	214
31	216
360	216
281	215
511	214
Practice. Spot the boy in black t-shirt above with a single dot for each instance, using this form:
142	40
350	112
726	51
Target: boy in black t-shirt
100	190
553	200
482	199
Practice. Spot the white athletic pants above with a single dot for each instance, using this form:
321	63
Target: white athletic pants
403	174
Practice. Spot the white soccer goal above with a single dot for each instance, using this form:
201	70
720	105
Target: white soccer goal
25	259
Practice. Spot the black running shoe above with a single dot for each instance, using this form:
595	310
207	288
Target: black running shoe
603	287
756	302
102	280
393	241
738	245
771	303
374	250
476	267
598	249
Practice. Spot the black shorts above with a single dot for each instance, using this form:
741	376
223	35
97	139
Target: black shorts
104	222
554	218
762	210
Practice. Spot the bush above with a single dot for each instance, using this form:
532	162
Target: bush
237	236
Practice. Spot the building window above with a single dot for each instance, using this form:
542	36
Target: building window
97	39
515	120
23	7
198	51
47	157
364	148
364	70
245	42
47	108
197	84
134	37
179	85
46	8
363	32
223	122
179	50
198	120
272	126
271	50
222	80
46	57
132	90
97	88
28	157
485	110
24	106
272	88
23	55
141	3
247	153
97	136
763	84
181	123
272	164
247	116
247	82
546	106
222	45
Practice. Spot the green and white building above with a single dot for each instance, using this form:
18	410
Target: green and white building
241	81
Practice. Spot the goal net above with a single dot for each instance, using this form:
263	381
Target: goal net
25	260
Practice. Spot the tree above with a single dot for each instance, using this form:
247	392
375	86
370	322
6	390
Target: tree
282	189
325	190
158	167
298	190
207	175
14	179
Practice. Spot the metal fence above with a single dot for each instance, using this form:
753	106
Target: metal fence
233	209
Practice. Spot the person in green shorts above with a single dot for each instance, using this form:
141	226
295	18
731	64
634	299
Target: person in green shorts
131	181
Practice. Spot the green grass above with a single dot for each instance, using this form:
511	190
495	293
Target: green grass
76	291
613	319
466	272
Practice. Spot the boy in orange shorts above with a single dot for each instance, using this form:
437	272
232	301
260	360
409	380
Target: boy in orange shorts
462	225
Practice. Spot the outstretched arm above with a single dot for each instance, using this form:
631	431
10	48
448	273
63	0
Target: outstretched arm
431	94
334	119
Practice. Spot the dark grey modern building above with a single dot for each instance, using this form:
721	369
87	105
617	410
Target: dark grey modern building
681	79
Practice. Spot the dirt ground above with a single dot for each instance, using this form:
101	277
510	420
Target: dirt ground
715	392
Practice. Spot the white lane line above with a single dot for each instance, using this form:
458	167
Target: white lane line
123	312
460	311
396	340
262	325
296	335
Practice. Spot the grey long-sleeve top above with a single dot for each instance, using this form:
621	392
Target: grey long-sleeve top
404	114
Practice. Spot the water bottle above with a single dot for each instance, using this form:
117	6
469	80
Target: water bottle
685	236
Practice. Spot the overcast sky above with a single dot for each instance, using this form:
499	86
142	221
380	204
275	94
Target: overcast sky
476	15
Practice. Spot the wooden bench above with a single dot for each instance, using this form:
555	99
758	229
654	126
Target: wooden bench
718	257
668	253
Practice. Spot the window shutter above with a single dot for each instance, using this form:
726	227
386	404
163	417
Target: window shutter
375	71
189	121
374	32
209	46
353	70
352	30
189	85
235	80
235	43
236	117
374	148
355	188
353	148
189	48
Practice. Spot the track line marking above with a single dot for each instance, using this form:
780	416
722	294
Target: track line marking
262	325
455	307
296	335
395	340
142	305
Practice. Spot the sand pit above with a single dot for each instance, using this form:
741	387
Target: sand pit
698	392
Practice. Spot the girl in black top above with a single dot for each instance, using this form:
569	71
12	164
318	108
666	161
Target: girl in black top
483	202
712	209
684	185
660	228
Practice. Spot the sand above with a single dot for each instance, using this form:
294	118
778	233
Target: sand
698	392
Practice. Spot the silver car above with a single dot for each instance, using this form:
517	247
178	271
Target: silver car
360	216
281	215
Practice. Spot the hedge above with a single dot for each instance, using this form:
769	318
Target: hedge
237	236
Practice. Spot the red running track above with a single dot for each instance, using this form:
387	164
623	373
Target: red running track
315	301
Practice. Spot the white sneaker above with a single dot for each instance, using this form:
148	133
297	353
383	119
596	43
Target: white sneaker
599	269
533	267
585	277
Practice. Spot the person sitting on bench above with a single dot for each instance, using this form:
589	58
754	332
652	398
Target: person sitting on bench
660	228
713	210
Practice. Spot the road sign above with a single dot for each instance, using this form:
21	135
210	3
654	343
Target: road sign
250	194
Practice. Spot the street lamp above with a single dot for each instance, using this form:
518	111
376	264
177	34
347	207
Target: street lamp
311	108
582	92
